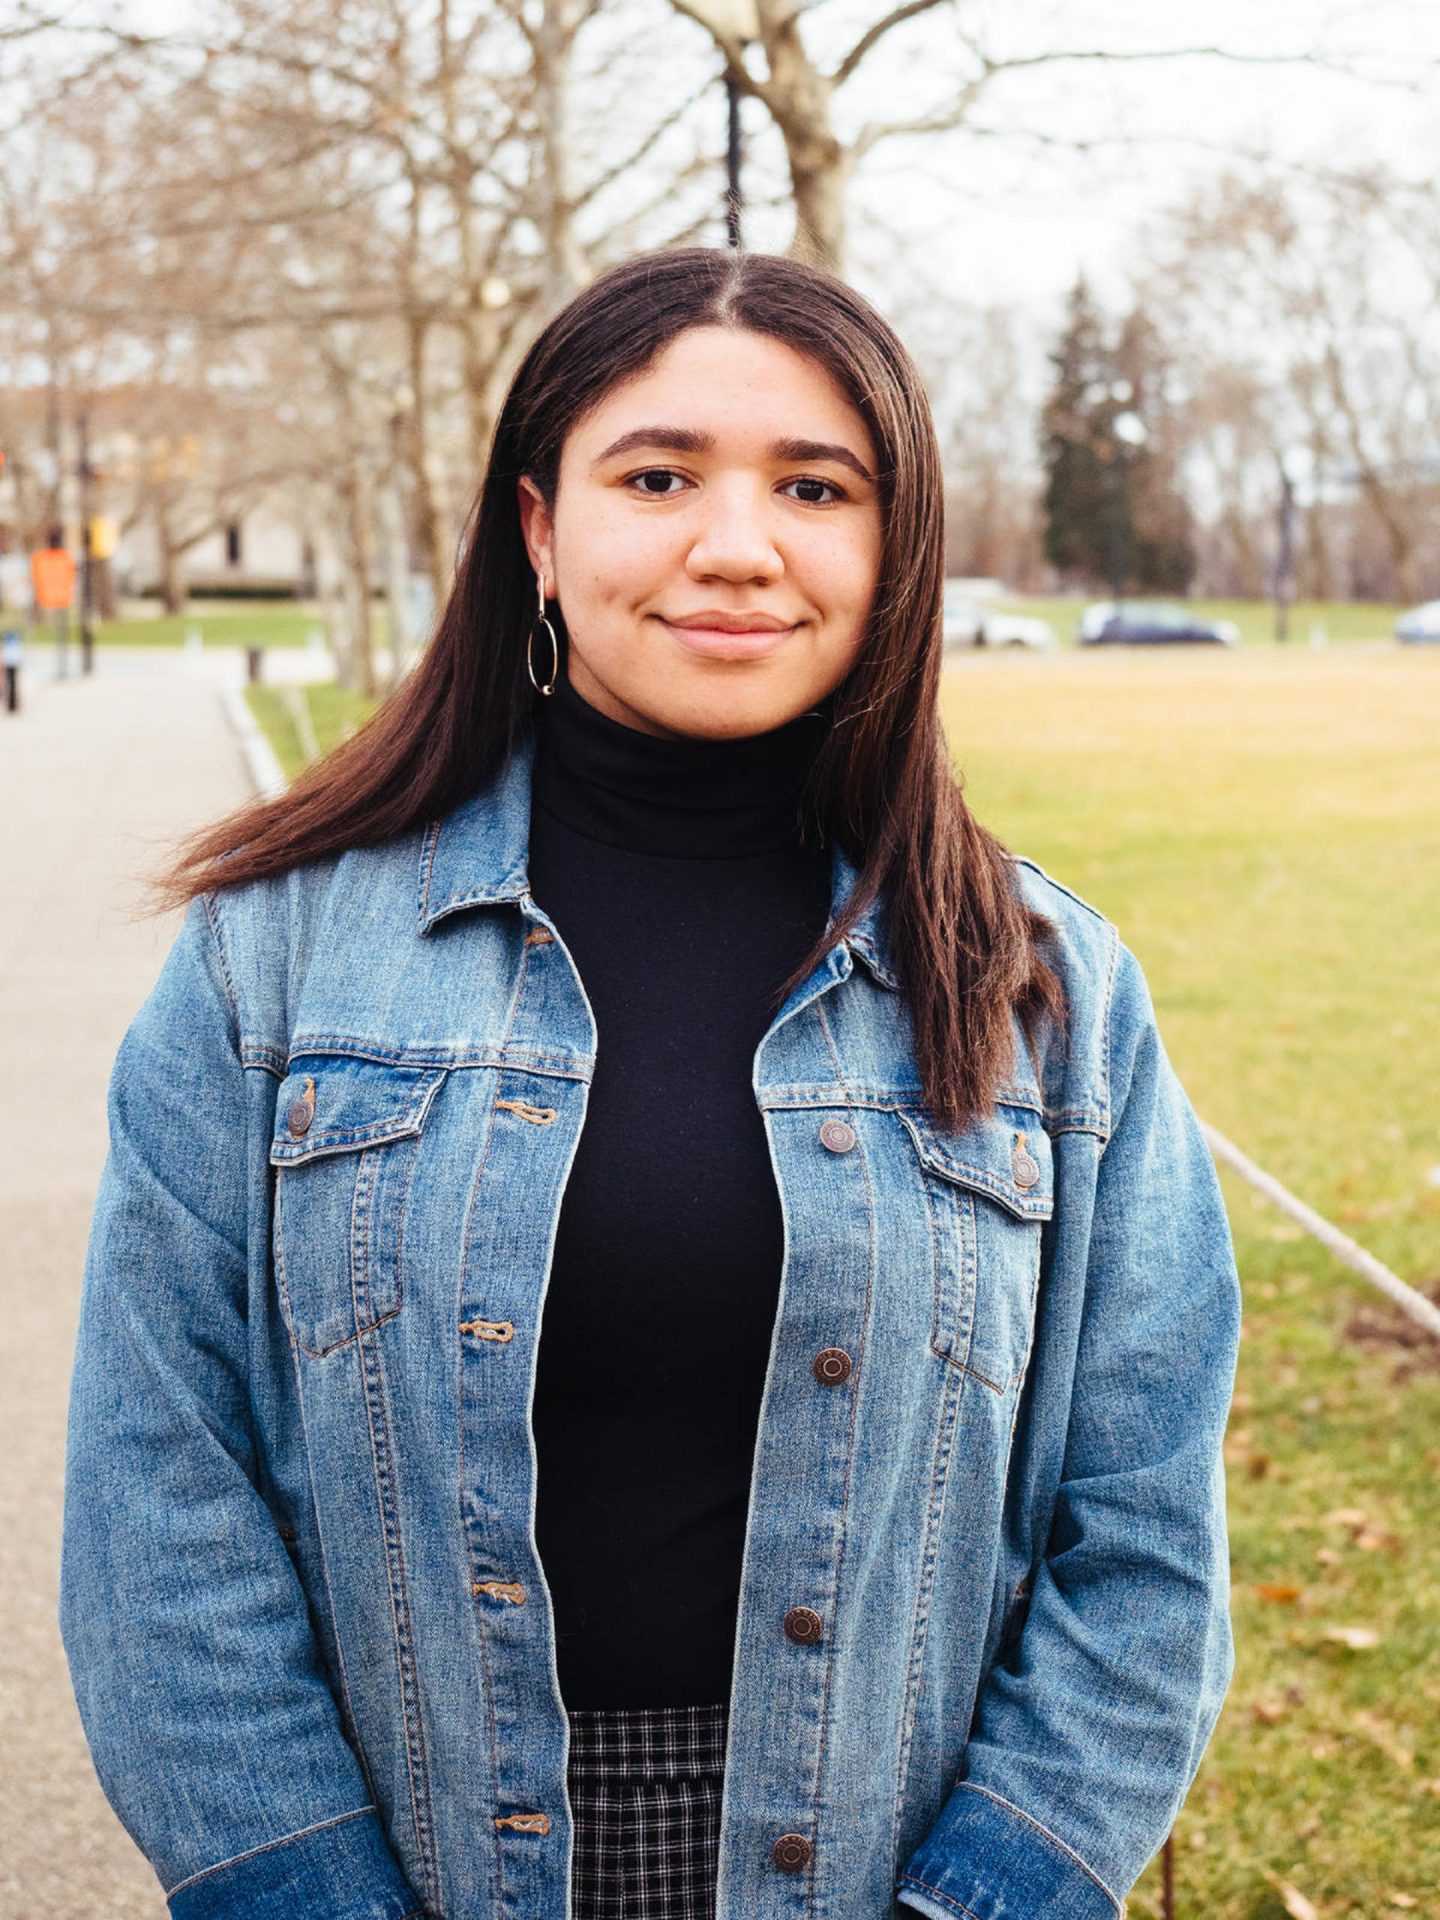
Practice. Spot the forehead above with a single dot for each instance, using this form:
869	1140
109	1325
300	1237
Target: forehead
734	385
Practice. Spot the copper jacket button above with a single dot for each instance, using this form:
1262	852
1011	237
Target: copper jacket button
804	1625
302	1112
791	1852
831	1366
1025	1167
837	1135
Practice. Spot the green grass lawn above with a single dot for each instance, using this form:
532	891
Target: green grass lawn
1265	830
335	713
260	623
1264	827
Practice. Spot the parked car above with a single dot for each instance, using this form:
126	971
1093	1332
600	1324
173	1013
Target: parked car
1421	625
970	623
1139	623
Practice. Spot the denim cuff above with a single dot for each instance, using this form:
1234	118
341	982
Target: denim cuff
342	1869
984	1859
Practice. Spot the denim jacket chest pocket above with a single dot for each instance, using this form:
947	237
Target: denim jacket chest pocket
989	1190
345	1140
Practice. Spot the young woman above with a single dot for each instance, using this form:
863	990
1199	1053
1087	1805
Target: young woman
658	1327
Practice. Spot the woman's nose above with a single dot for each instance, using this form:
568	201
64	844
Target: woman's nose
736	537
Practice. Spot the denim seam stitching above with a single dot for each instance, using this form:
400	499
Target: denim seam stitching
950	1901
466	1531
1110	978
345	1704
269	1846
512	1015
850	1449
970	1787
946	1428
346	1046
387	1496
211	910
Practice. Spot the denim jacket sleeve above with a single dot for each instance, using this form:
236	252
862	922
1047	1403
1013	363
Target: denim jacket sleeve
1085	1740
212	1726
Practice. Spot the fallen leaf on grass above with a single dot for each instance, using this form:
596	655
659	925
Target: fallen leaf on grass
1346	1517
1356	1638
1269	1712
1402	1900
1327	1556
1293	1901
1278	1593
1380	1734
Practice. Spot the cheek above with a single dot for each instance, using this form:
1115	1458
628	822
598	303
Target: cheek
623	558
846	572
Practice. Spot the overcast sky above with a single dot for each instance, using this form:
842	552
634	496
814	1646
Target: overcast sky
1010	218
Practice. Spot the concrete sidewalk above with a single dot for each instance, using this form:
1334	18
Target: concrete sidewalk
96	776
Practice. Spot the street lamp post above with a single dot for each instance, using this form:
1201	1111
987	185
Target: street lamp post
732	161
87	547
737	20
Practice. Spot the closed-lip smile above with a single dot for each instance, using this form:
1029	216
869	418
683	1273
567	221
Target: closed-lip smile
716	622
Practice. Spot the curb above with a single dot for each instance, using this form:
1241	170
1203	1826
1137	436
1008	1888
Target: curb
260	762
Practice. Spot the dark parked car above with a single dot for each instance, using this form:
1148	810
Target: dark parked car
1141	623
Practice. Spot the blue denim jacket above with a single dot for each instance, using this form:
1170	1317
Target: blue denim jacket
308	1630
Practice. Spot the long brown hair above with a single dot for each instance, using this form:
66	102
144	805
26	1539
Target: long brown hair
966	947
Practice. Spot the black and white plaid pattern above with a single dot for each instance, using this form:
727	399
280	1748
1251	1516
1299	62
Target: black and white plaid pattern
645	1785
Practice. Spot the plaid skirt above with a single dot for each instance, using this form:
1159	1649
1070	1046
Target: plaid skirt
644	1786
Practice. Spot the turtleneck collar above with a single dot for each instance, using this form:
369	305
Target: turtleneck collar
691	798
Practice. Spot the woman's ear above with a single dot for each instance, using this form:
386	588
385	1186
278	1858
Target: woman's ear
537	524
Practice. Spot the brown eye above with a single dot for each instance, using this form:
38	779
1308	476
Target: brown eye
818	493
654	482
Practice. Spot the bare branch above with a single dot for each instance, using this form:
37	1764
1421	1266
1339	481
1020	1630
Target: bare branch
873	34
946	119
647	145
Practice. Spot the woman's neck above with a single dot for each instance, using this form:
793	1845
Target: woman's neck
691	798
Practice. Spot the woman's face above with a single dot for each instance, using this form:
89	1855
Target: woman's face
714	543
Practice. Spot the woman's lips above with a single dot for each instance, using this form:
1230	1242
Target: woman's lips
718	643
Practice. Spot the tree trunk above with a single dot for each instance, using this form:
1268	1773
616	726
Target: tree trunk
799	100
173	593
432	519
563	263
362	629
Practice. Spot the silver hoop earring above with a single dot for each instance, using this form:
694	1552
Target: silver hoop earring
542	620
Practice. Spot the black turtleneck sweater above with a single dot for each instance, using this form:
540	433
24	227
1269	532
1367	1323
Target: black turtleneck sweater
675	874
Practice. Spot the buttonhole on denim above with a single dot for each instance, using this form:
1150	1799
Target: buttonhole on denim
489	1329
537	1116
526	1822
510	1590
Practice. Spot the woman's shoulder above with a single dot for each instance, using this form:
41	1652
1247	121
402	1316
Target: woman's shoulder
361	901
1108	1001
1086	942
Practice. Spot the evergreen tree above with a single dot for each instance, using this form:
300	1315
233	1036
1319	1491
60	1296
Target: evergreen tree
1076	498
1111	442
1161	554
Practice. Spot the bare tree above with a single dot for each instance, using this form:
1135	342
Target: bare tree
1285	294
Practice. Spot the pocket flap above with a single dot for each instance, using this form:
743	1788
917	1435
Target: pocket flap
329	1104
1005	1155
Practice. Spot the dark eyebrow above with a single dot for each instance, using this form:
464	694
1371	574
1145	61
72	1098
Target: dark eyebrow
687	440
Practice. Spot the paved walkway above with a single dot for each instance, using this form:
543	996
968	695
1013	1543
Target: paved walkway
95	775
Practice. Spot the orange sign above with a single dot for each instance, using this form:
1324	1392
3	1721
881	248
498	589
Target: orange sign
53	572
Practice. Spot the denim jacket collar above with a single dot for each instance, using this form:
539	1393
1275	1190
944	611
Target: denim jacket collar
477	856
